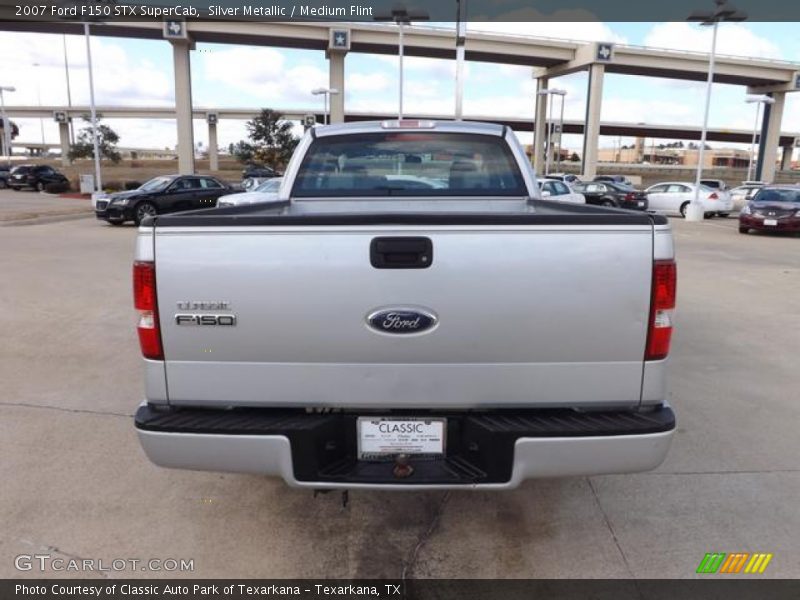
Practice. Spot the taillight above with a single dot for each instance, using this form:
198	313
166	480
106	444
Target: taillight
713	196
144	300
630	196
662	309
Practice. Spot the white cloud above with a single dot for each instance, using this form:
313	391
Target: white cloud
733	39
791	114
262	72
119	78
367	82
639	110
432	67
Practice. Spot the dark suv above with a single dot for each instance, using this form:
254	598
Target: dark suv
34	176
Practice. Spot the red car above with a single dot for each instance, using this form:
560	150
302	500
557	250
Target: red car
773	208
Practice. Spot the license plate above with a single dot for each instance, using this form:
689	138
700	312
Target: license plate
385	437
641	203
772	222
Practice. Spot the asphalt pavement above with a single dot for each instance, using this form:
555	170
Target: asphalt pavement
28	207
77	485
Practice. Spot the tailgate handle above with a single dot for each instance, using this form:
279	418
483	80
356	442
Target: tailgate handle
401	252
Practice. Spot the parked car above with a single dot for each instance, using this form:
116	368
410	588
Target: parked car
721	188
553	189
773	208
603	193
160	195
618	179
714	184
256	170
674	197
5	173
99	197
399	181
744	193
34	176
264	192
375	335
251	183
565	177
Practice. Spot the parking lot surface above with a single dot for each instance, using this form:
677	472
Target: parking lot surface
76	484
25	207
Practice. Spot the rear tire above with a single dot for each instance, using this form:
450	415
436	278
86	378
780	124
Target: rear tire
40	187
683	209
744	230
608	204
142	210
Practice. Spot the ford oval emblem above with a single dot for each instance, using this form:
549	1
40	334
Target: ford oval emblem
402	320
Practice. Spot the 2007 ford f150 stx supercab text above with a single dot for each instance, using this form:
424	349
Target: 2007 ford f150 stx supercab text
408	314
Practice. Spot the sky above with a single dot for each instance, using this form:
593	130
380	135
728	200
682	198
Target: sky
131	72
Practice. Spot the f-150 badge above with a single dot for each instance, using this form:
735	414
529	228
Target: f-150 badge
402	320
205	320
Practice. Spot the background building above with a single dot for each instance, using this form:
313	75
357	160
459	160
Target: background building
675	153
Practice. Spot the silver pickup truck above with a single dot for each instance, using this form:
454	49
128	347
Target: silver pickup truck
407	314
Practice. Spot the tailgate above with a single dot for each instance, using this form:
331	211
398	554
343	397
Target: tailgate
526	316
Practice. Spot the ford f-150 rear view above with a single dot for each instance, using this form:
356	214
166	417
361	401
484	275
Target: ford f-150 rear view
408	313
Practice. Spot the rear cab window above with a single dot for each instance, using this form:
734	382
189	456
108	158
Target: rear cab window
408	164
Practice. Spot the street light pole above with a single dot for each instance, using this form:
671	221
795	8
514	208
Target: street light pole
6	122
549	136
561	129
325	92
753	142
69	91
549	124
758	101
402	17
400	25
461	34
695	211
39	102
98	184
